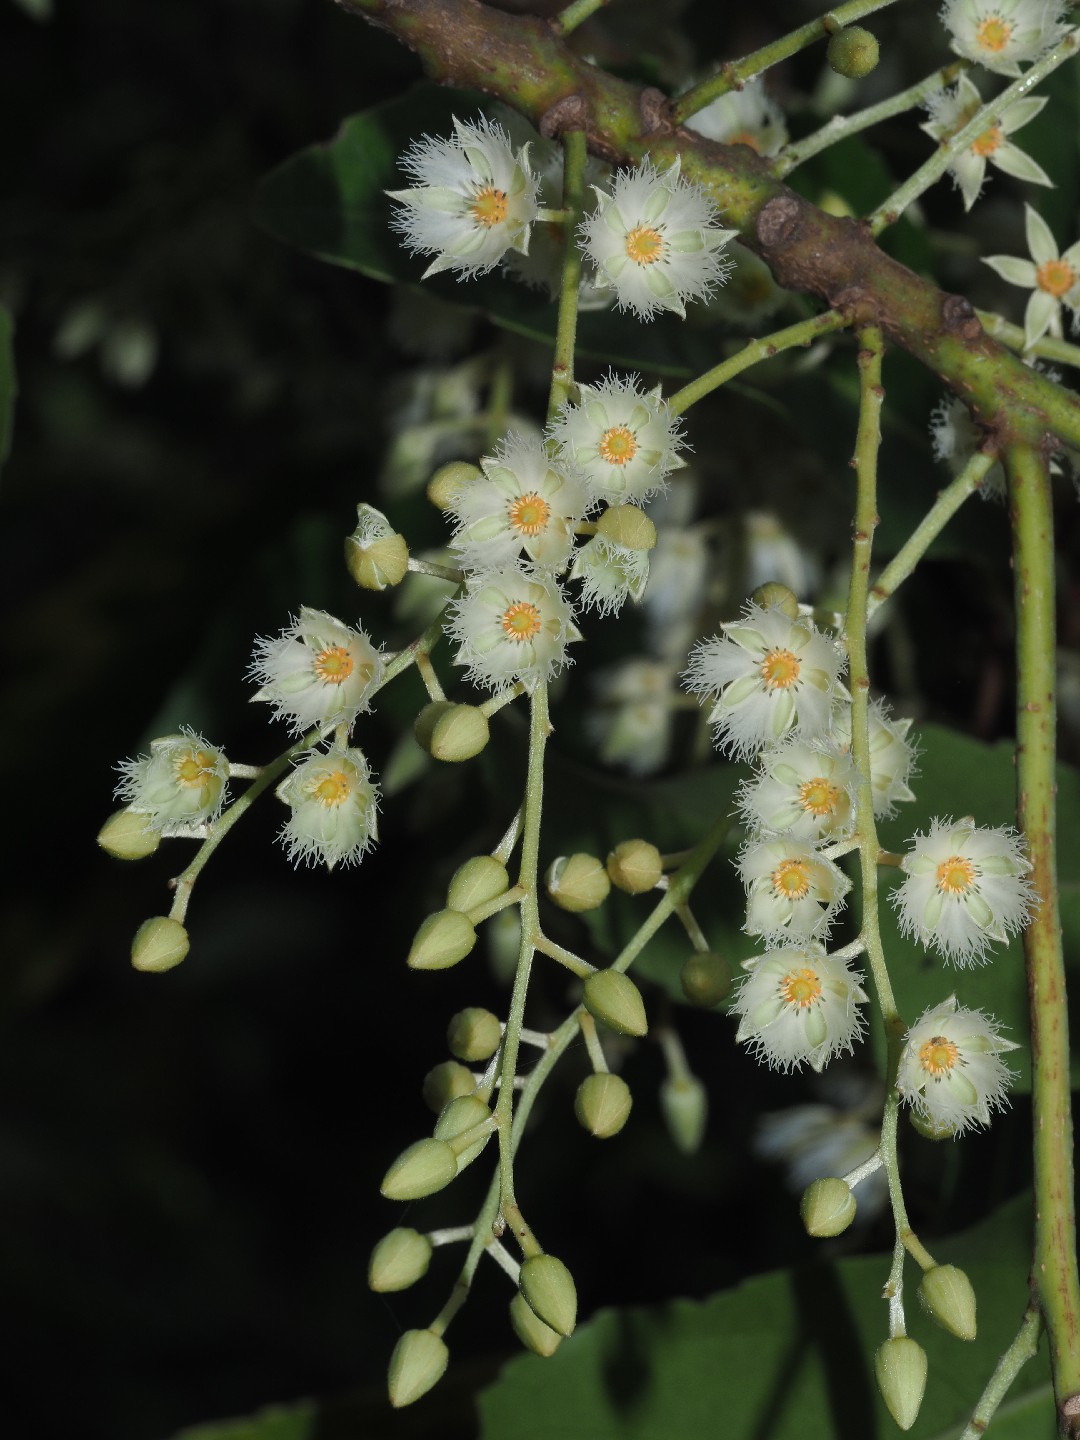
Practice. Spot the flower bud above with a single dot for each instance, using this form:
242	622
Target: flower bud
460	1116
479	880
531	1330
774	596
706	979
827	1207
474	1034
613	999
451	732
634	866
448	480
948	1298
602	1104
931	1129
685	1108
549	1291
444	1083
419	1361
126	836
159	944
627	525
442	940
900	1367
577	882
379	563
852	52
398	1261
423	1168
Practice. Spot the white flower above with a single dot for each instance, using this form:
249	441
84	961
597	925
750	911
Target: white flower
625	442
473	198
1054	279
512	627
1001	34
179	787
743	117
955	437
523	502
631	721
799	1006
654	240
964	888
610	574
950	111
771	677
892	754
792	892
805	792
949	1071
316	672
334	808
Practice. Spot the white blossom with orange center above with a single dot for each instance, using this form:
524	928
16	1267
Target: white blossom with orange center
316	672
512	626
334	807
771	678
743	117
179	787
804	792
892	754
792	891
950	1071
654	241
523	503
950	111
1053	278
473	198
625	441
1002	35
799	1006
964	888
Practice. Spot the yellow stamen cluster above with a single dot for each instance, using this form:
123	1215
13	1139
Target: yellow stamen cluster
195	769
800	988
618	446
333	789
779	669
644	245
334	665
955	875
819	796
529	514
988	142
1056	277
791	879
993	33
489	207
521	621
939	1055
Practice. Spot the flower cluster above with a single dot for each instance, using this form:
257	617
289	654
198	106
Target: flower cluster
1002	35
1053	278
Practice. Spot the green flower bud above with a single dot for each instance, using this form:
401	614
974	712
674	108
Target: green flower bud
419	1361
931	1129
423	1168
948	1298
159	944
774	596
460	1116
474	1034
531	1330
442	940
126	836
635	866
629	526
900	1367
827	1207
613	999
549	1291
451	732
476	882
685	1108
706	979
447	480
577	882
378	564
444	1083
398	1261
853	52
602	1104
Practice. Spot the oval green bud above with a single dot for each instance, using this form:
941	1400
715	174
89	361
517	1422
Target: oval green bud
444	1083
450	732
126	836
931	1129
460	1116
474	1034
398	1261
419	1361
827	1207
774	596
159	944
947	1296
378	564
448	480
685	1108
602	1104
478	881
531	1330
612	998
443	940
629	526
577	883
635	866
423	1168
900	1367
706	979
549	1291
852	52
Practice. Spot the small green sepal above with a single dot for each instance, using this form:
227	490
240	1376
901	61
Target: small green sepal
450	732
685	1108
159	944
474	1034
477	882
931	1129
531	1330
635	866
126	836
577	883
443	940
549	1290
422	1169
419	1361
399	1260
706	979
602	1104
612	998
900	1367
827	1207
947	1297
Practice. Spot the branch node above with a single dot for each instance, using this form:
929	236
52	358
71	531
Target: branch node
569	113
778	221
655	109
958	318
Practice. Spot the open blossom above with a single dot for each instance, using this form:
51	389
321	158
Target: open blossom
610	574
964	888
624	441
950	1072
805	792
179	787
743	117
950	111
1053	279
799	1006
1001	35
473	198
316	672
512	626
654	240
892	754
792	891
334	808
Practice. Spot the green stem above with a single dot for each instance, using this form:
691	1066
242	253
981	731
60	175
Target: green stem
1023	1348
574	963
1047	348
592	1043
804	333
575	154
575	15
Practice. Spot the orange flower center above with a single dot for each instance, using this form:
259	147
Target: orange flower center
993	33
1056	277
779	669
644	245
333	789
791	879
521	621
334	665
489	207
529	514
800	988
196	769
955	875
989	141
819	796
618	445
938	1056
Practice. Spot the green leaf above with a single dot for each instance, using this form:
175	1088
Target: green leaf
8	384
293	1422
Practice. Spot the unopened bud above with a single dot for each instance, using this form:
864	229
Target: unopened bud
852	52
577	882
531	1330
948	1297
629	526
419	1361
479	880
612	998
706	979
159	944
442	940
398	1261
549	1291
827	1207
685	1108
378	564
126	836
423	1168
448	480
459	1117
774	596
602	1104
450	732
931	1129
474	1034
635	866
446	1082
900	1367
